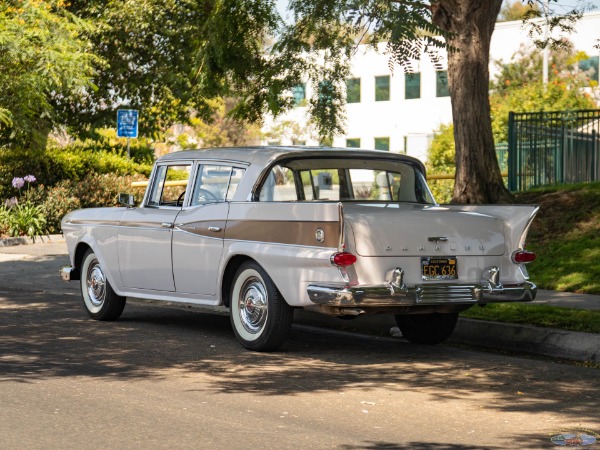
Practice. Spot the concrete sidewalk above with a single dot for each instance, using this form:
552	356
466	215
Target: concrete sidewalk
37	264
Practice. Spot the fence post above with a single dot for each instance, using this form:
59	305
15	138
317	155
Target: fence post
512	144
594	174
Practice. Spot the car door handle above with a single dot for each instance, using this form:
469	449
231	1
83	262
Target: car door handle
167	225
215	229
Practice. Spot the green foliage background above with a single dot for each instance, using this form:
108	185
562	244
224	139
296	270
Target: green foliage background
45	56
518	88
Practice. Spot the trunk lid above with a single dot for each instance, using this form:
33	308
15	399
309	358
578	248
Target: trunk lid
390	229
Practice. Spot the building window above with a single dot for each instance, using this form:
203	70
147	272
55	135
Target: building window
299	93
412	85
441	84
590	66
382	143
382	88
353	90
353	143
326	94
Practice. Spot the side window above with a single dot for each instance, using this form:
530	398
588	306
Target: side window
234	182
170	183
279	186
215	183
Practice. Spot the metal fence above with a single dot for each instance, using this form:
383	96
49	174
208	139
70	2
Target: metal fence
547	148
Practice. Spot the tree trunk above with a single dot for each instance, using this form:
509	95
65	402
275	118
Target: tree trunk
471	22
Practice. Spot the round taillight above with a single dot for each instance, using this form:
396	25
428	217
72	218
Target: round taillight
523	257
343	259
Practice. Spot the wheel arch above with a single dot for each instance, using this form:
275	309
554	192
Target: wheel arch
232	266
80	251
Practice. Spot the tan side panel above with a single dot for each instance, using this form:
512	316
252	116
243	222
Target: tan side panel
284	232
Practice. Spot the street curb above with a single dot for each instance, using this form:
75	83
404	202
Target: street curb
9	242
22	240
562	344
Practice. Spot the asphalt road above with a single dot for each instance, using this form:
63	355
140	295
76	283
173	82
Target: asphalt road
171	378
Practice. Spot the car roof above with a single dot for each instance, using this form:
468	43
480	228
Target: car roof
265	155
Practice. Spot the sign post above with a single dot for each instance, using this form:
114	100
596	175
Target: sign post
127	125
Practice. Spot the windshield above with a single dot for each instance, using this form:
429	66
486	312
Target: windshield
361	180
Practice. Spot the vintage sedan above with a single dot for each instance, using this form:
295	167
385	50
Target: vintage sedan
266	230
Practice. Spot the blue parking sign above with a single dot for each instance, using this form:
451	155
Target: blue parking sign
127	123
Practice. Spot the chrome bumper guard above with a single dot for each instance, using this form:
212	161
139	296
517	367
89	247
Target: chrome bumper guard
69	273
395	293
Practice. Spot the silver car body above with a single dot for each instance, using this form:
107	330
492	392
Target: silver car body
186	252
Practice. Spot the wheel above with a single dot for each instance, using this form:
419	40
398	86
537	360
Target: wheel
260	317
427	328
99	299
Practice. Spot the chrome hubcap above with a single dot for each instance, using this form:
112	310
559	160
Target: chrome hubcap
253	305
96	284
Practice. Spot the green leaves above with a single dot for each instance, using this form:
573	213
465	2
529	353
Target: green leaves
26	219
76	63
518	87
44	55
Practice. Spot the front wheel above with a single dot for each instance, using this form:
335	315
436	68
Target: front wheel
427	328
260	317
99	299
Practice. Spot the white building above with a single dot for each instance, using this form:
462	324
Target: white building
391	111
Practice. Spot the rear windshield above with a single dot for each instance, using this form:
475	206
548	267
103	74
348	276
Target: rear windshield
361	180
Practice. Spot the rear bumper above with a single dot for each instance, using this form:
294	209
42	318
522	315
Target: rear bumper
395	293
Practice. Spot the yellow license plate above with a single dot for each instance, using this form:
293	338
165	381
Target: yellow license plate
435	268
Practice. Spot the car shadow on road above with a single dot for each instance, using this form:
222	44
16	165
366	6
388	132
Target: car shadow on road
47	334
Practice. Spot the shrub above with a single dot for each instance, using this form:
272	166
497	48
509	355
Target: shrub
440	159
26	219
93	191
69	163
106	141
56	201
3	220
98	190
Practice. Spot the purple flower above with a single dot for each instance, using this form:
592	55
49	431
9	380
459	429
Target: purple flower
10	202
30	178
18	183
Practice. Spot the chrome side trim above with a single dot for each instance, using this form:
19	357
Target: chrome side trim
342	234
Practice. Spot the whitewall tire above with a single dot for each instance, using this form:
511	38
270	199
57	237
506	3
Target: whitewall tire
99	299
260	317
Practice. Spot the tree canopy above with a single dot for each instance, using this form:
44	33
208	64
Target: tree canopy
517	10
45	57
172	59
518	86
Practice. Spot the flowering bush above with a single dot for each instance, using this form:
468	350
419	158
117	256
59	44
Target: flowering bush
56	201
19	216
92	191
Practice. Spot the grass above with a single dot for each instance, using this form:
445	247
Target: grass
538	315
566	238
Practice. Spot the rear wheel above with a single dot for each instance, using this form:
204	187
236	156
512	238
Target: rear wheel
260	317
99	299
427	328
